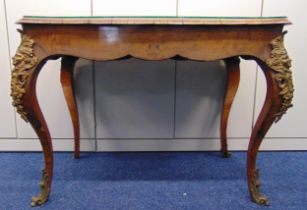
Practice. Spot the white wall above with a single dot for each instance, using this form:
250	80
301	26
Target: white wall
131	105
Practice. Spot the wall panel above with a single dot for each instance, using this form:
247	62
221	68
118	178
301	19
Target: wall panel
7	121
134	7
135	99
219	7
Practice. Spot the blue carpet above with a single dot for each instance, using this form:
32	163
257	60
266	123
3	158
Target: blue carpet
154	181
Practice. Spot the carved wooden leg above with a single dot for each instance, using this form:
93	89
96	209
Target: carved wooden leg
264	122
233	79
27	66
67	82
278	99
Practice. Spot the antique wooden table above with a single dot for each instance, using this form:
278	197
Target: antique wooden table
112	38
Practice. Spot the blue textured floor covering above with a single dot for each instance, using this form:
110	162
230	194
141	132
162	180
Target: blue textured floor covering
154	181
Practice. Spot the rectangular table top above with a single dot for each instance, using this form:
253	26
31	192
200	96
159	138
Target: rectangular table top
153	20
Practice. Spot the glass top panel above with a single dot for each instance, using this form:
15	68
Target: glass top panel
188	17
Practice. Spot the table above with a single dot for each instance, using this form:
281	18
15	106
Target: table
149	38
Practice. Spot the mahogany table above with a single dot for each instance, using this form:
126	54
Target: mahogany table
148	38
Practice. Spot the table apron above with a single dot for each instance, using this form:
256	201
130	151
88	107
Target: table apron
205	43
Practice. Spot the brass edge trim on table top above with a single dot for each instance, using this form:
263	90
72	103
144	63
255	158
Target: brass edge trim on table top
280	63
125	20
23	61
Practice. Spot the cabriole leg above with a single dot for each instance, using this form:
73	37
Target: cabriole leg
27	64
233	79
67	81
278	99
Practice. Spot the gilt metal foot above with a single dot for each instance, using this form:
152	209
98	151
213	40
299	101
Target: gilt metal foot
255	190
43	196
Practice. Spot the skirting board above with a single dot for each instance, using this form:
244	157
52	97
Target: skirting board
101	145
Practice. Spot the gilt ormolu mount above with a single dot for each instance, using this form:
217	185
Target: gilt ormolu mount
280	62
24	60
